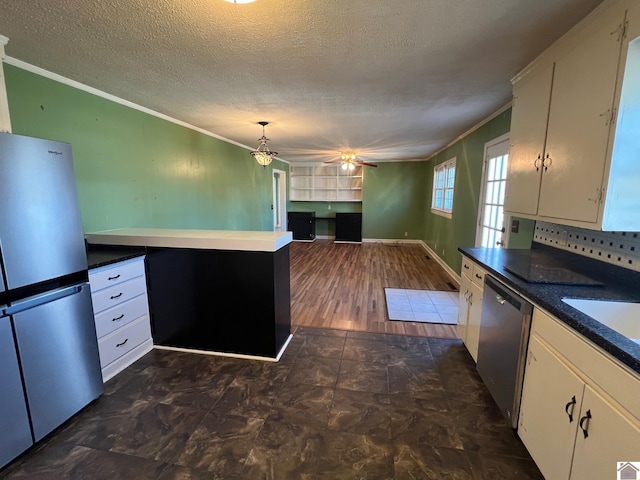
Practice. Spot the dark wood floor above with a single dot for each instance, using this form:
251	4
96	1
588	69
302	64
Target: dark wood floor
341	286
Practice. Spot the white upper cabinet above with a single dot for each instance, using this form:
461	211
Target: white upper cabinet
572	108
531	97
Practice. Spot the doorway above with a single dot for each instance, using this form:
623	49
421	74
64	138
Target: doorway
491	232
279	205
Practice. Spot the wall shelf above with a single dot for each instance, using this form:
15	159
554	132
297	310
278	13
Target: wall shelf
325	183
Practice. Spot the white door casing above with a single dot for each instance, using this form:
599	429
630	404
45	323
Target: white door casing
279	205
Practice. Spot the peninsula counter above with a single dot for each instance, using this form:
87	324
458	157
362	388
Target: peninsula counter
214	290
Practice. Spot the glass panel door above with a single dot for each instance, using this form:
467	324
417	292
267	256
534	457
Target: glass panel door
491	214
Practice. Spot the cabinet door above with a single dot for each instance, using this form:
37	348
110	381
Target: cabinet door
611	438
551	392
579	122
463	306
531	96
473	323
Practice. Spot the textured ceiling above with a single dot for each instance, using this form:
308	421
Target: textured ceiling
390	79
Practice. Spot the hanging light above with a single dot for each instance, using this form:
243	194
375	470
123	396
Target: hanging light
262	154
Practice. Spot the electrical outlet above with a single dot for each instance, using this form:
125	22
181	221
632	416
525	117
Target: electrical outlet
406	234
563	238
329	206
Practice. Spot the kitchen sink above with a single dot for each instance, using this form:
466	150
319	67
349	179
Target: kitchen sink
623	317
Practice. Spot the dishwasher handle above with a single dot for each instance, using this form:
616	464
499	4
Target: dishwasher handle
504	295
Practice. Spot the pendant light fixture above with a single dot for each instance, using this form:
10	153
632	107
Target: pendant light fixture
262	154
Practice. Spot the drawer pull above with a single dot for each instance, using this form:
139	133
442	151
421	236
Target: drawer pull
571	404
116	296
466	267
114	278
120	344
117	318
479	277
586	418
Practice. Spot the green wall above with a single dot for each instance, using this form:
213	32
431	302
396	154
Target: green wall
136	170
445	235
394	200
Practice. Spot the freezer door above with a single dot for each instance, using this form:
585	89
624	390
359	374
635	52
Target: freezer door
41	234
59	355
14	422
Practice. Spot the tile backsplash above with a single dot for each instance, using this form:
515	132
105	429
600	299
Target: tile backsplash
618	248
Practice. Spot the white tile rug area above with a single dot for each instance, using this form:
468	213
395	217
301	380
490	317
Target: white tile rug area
428	306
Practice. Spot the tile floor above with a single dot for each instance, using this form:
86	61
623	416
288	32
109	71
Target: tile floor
340	405
422	305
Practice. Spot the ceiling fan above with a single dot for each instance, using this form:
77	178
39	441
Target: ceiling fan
349	162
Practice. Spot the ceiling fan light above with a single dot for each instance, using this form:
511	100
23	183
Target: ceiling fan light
352	166
344	166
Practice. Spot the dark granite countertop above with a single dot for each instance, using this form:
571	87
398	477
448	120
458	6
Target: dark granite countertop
618	284
102	255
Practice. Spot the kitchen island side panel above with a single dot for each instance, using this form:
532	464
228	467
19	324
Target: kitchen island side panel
220	300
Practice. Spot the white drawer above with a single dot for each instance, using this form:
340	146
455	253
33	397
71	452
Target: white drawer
123	313
478	276
467	267
100	278
112	296
123	340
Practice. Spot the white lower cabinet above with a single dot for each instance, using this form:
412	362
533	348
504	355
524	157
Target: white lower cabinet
463	306
121	312
470	305
572	429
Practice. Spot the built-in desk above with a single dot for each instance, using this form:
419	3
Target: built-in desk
348	226
214	290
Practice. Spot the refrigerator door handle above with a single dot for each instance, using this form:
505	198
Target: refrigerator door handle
42	299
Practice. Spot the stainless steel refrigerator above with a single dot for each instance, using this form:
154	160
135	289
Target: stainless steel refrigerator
49	362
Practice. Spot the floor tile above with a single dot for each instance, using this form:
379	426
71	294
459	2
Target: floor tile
220	444
352	405
303	404
361	412
361	350
363	377
350	456
251	397
420	461
319	371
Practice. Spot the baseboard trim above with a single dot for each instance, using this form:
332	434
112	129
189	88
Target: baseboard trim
454	276
392	241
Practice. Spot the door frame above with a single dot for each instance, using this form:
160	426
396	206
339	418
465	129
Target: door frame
282	201
483	186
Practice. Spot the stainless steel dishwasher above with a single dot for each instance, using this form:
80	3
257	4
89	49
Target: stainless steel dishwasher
502	348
